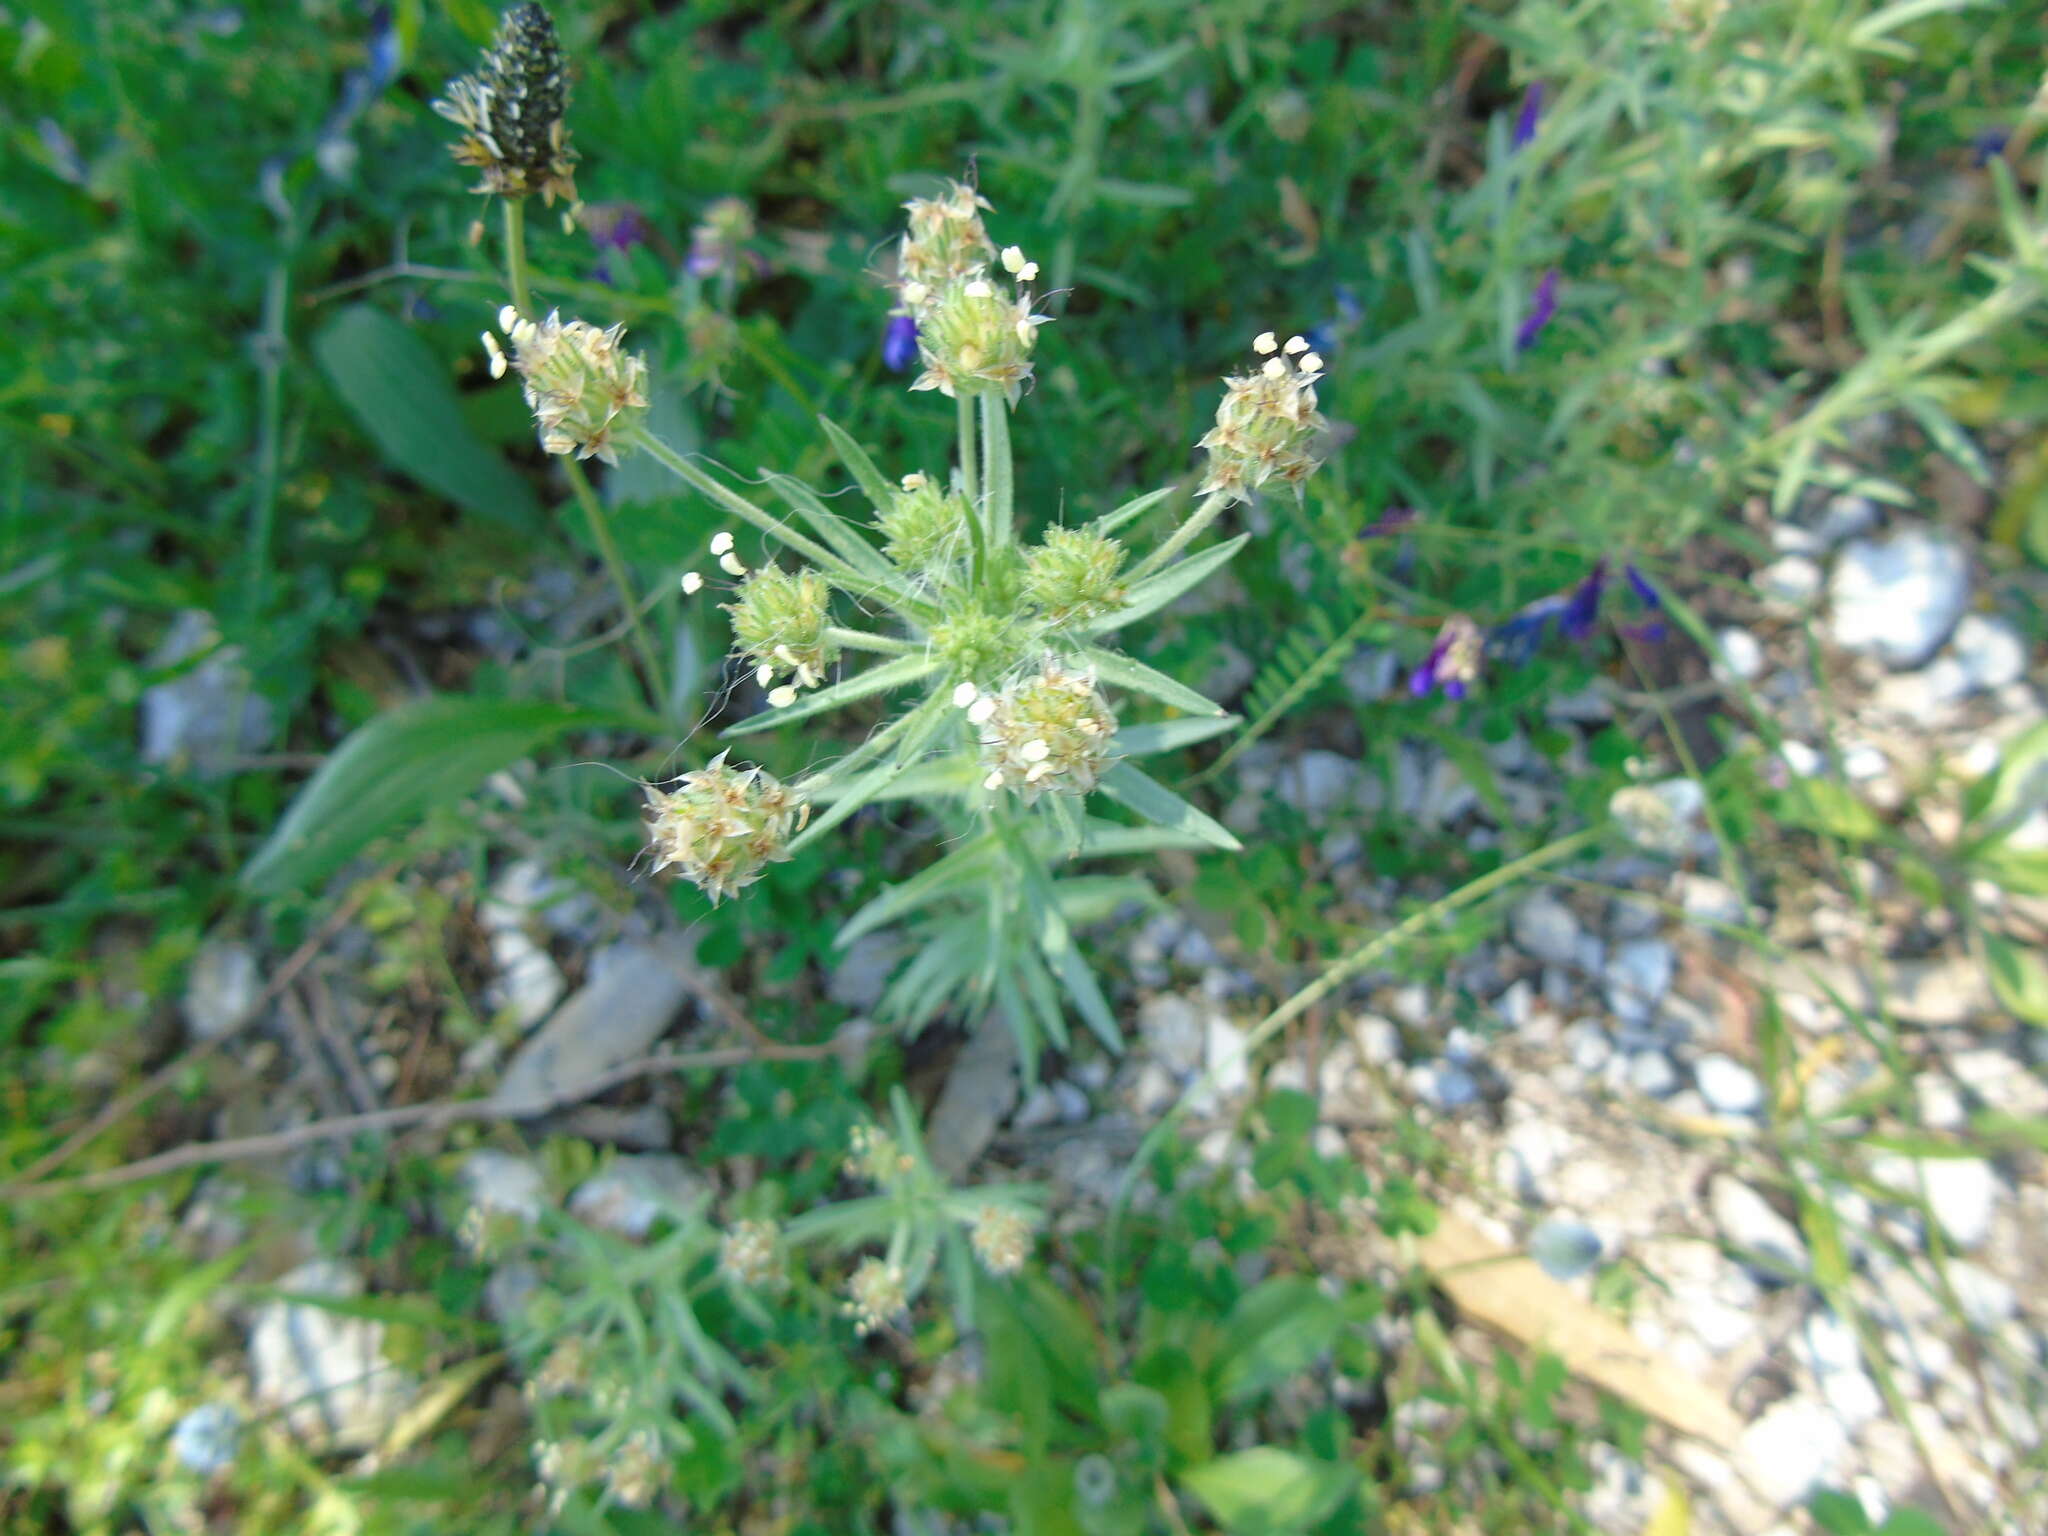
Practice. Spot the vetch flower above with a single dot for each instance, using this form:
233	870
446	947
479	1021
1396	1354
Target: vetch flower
779	621
1541	308
875	1295
1453	661
1393	520
721	826
1001	1239
614	228
1650	629
1267	423
1582	608
510	111
1072	575
1528	119
1049	730
585	389
899	343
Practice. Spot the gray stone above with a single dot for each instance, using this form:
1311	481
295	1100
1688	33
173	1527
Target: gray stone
981	1090
1443	1085
1793	580
1845	517
1632	915
1637	977
206	717
627	1004
206	1439
1962	1192
1989	653
222	989
529	983
1588	1044
1172	1026
1544	927
1530	1152
1898	601
1708	900
1039	1109
1983	1298
1368	676
860	974
1741	658
1853	1397
1073	1103
501	1184
1826	1343
637	1190
1378	1040
1516	1005
1565	1248
1318	783
1227	1069
1797	1446
324	1372
1727	1085
1589	706
1651	1073
1768	1244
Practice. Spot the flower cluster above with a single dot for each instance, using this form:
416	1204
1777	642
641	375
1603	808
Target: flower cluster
634	1475
1001	1238
750	1255
946	241
780	622
924	529
973	337
585	390
510	111
722	826
1071	577
1049	730
1267	424
873	1156
875	1295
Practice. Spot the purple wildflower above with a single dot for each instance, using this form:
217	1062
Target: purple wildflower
899	343
1541	308
1650	629
1515	641
1988	146
1453	660
1583	607
1393	520
1530	115
614	228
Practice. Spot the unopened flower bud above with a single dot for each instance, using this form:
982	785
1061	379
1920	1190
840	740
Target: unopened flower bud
1001	1239
1267	424
1072	575
974	340
721	826
875	1295
634	1473
585	389
946	239
873	1157
750	1255
1048	731
924	529
779	621
510	111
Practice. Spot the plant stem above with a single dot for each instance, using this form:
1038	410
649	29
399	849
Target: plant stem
738	505
858	640
970	469
270	348
517	280
1205	513
998	474
1333	977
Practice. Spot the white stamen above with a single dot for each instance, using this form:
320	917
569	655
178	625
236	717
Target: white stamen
1312	363
980	288
732	565
721	541
497	356
1295	344
785	655
964	695
914	481
692	583
508	319
1036	772
993	781
764	675
782	697
1013	258
1274	369
1028	273
1265	342
981	710
1035	750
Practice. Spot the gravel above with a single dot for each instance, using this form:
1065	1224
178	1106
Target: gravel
1899	600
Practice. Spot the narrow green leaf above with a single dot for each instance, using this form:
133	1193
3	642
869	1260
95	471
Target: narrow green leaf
1136	507
859	465
2019	976
833	529
1170	735
1162	807
963	866
1155	592
1121	671
900	673
1948	435
392	771
1101	839
399	392
1056	943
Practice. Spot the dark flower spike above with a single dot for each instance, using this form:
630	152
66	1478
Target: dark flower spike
1582	609
899	343
1531	114
510	111
1541	308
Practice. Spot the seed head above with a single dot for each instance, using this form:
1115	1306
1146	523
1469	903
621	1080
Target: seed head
975	339
875	1295
585	390
566	1369
1267	423
779	622
1048	731
1001	1238
946	241
924	529
974	642
721	826
634	1475
1072	575
750	1255
510	111
873	1157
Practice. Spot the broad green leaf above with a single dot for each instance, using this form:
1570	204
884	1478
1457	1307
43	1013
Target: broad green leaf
1137	1413
900	673
1122	672
1276	1330
1155	592
1266	1491
1170	1371
1170	735
398	390
395	769
1162	807
2019	976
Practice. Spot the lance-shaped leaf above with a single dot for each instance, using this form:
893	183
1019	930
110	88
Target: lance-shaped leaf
900	673
1162	807
1155	592
1170	735
1104	839
965	867
923	721
834	530
1122	672
858	464
1136	507
1055	941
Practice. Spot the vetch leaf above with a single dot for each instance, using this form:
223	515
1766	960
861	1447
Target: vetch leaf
1266	1491
392	771
1162	807
398	391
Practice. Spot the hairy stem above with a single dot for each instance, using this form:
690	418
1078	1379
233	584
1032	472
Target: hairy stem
998	473
1205	513
970	468
515	256
739	506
